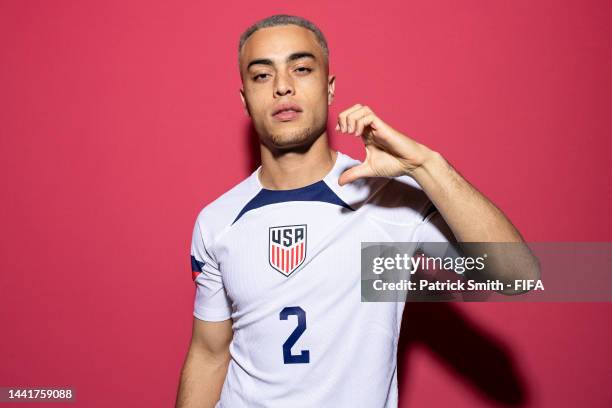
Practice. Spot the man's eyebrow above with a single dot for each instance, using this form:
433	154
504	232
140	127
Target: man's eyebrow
292	57
300	55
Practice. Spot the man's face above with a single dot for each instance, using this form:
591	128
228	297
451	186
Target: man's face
284	68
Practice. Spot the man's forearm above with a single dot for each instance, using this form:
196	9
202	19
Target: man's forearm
201	380
468	213
473	218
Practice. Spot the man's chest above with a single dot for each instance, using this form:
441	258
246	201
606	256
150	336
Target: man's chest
294	248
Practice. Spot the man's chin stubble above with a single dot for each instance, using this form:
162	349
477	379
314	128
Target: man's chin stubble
296	139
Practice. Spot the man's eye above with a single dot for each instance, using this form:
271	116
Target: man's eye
303	69
259	76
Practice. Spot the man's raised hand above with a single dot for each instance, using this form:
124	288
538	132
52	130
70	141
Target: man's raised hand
388	152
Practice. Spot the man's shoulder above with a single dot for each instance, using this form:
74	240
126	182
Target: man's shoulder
222	211
395	193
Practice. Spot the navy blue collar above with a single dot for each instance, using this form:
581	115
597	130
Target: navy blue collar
318	191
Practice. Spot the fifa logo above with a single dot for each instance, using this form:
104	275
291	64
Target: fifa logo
287	248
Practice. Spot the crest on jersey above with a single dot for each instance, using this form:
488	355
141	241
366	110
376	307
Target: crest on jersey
287	248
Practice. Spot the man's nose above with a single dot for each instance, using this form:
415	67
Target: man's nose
283	85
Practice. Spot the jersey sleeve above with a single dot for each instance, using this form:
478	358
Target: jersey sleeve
434	229
211	302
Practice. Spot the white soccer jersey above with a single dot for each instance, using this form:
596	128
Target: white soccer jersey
284	265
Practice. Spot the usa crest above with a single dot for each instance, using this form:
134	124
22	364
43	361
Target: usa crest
287	248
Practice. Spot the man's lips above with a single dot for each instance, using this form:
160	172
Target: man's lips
286	111
286	115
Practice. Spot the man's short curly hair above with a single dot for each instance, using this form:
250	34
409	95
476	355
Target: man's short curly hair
284	19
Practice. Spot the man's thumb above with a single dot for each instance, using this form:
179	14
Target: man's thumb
352	174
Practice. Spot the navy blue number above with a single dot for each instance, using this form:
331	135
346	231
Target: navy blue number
288	357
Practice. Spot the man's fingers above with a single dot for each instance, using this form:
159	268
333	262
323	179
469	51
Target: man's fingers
362	122
353	117
354	173
343	115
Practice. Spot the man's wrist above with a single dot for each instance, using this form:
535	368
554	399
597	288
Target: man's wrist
432	166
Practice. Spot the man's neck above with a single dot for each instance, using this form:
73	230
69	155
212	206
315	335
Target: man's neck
295	169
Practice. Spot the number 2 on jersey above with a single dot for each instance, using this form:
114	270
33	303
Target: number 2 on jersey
288	357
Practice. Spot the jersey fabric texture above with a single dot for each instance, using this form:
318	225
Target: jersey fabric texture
284	265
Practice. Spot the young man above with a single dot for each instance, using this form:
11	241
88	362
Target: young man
278	317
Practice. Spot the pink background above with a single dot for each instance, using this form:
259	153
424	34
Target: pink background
120	120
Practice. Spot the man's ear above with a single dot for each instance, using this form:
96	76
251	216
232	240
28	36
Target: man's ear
331	88
246	108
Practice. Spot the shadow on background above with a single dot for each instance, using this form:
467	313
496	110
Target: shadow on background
463	347
459	344
252	145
